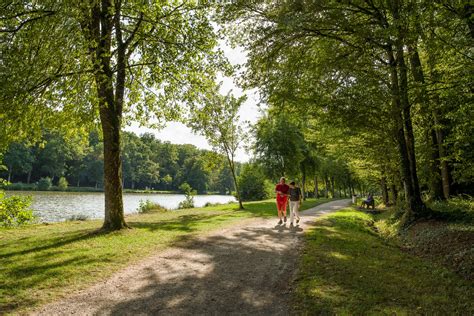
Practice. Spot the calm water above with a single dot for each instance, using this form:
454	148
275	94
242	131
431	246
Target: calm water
59	206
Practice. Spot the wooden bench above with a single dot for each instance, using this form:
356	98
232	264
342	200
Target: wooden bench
368	204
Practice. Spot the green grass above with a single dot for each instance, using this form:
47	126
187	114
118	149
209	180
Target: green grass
39	263
347	268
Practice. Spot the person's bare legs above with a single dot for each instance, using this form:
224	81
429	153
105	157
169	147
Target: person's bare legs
279	209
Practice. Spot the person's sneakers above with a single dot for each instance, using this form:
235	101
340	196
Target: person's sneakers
297	221
280	222
291	224
285	218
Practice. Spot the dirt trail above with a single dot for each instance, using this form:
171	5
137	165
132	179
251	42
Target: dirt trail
244	269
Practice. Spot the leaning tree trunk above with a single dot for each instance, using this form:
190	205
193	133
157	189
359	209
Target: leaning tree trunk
234	176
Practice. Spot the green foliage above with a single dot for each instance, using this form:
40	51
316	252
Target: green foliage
149	206
188	193
44	184
14	210
62	184
147	163
253	184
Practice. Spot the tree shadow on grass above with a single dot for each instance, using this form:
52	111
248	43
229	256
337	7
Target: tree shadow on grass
346	269
184	223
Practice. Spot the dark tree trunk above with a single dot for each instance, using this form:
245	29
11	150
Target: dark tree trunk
383	184
316	188
394	190
436	188
326	191
401	114
99	31
332	188
28	179
445	174
303	184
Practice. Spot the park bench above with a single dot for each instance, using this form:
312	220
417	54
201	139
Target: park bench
369	204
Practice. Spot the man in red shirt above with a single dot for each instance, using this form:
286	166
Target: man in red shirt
281	190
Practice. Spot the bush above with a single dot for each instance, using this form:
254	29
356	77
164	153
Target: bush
80	217
62	184
252	184
148	206
187	203
44	184
14	210
189	199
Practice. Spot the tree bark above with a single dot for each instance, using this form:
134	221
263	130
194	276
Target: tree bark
303	184
436	187
394	190
326	191
28	179
403	127
332	188
316	189
383	184
100	29
234	176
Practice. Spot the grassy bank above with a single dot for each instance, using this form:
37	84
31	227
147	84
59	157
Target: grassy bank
347	268
39	263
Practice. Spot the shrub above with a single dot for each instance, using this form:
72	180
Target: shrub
14	210
62	184
187	203
148	206
189	199
44	184
80	217
252	184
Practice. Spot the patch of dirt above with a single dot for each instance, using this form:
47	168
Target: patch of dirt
449	244
245	269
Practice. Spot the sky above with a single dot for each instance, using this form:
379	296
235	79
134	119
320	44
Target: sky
178	133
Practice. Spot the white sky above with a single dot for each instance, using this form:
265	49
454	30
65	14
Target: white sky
177	133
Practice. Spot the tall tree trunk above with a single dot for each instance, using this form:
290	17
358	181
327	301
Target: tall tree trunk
417	71
110	104
332	187
326	191
443	163
316	188
9	174
303	184
383	184
394	190
403	127
28	179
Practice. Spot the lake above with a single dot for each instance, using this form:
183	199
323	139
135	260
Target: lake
59	206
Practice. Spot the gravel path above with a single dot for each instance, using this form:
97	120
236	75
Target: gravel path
245	269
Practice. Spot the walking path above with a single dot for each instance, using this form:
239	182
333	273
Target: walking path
243	269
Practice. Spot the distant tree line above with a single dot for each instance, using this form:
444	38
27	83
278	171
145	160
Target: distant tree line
148	163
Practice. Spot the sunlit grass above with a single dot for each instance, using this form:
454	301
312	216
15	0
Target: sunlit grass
41	262
348	269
